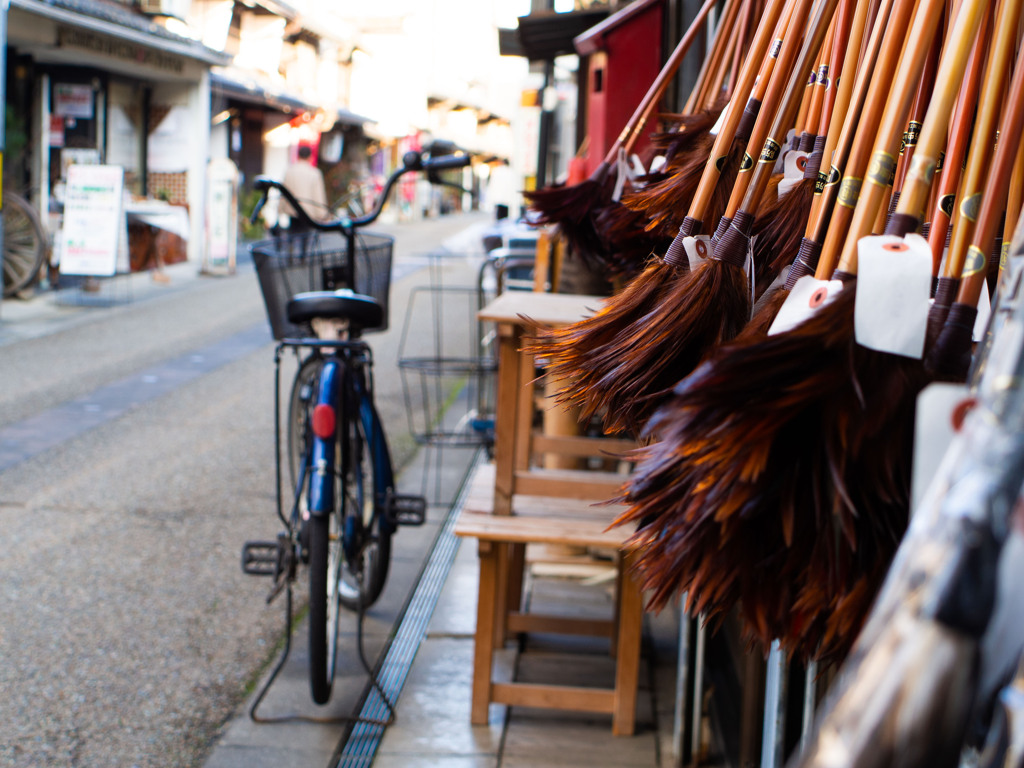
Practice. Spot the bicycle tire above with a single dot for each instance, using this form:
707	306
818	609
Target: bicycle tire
24	244
301	401
320	545
324	577
365	488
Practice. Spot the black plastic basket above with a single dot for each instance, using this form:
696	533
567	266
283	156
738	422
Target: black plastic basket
319	262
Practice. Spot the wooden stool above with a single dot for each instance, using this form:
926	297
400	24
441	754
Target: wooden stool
502	539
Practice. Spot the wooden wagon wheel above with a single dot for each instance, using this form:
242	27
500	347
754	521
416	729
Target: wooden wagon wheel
24	244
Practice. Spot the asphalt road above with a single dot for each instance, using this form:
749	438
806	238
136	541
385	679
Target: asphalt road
136	454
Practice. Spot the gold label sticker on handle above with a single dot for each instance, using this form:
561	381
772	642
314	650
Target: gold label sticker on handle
971	206
881	169
922	168
834	177
974	262
819	183
947	203
1004	256
849	192
776	48
913	134
720	163
771	151
747	163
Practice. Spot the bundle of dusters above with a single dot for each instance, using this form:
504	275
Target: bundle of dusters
810	253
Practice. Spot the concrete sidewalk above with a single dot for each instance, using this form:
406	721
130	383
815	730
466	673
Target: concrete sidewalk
433	727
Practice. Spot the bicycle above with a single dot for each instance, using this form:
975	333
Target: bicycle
344	510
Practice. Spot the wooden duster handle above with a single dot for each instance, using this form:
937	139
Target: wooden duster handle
890	128
788	105
721	52
921	169
992	94
779	89
874	77
734	111
697	98
972	280
956	149
844	78
1013	208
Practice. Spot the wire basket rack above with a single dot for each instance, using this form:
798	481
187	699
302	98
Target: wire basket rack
454	364
292	264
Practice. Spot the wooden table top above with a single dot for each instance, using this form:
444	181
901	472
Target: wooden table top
552	309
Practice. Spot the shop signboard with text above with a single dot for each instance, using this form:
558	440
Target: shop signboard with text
94	237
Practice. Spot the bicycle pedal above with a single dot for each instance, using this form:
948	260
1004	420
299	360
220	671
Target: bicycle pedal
406	509
261	558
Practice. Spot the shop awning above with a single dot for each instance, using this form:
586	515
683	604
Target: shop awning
351	118
251	92
544	35
237	86
120	22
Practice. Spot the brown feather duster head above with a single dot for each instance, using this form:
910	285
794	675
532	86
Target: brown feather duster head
780	483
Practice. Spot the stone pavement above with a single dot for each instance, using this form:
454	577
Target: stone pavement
432	725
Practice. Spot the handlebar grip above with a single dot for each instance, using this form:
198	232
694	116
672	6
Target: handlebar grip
262	183
259	206
446	162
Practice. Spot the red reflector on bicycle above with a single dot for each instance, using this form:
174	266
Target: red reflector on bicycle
323	421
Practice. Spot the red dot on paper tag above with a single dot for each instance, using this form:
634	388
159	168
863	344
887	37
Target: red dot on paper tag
818	297
702	249
801	163
960	412
896	247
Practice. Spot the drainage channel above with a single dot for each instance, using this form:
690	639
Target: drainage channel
364	739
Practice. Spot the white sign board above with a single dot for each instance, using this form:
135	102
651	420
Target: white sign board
221	217
94	234
72	100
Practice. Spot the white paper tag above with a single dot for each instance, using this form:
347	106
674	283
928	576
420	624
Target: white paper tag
894	277
621	173
933	432
984	312
792	170
636	167
807	297
657	163
698	249
721	119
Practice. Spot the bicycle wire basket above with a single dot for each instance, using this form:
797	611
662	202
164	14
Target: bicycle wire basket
292	264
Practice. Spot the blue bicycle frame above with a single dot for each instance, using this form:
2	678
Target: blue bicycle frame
322	499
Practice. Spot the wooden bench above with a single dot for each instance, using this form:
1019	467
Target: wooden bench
502	540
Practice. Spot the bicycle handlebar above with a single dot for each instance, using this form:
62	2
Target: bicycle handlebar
412	161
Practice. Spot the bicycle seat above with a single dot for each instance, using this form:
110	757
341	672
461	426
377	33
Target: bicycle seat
360	310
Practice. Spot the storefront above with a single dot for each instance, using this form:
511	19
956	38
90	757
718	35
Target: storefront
100	84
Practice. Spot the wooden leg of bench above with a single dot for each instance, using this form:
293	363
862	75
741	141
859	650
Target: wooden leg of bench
620	568
627	667
483	651
502	554
514	587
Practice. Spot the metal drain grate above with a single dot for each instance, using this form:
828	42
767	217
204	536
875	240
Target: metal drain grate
364	739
